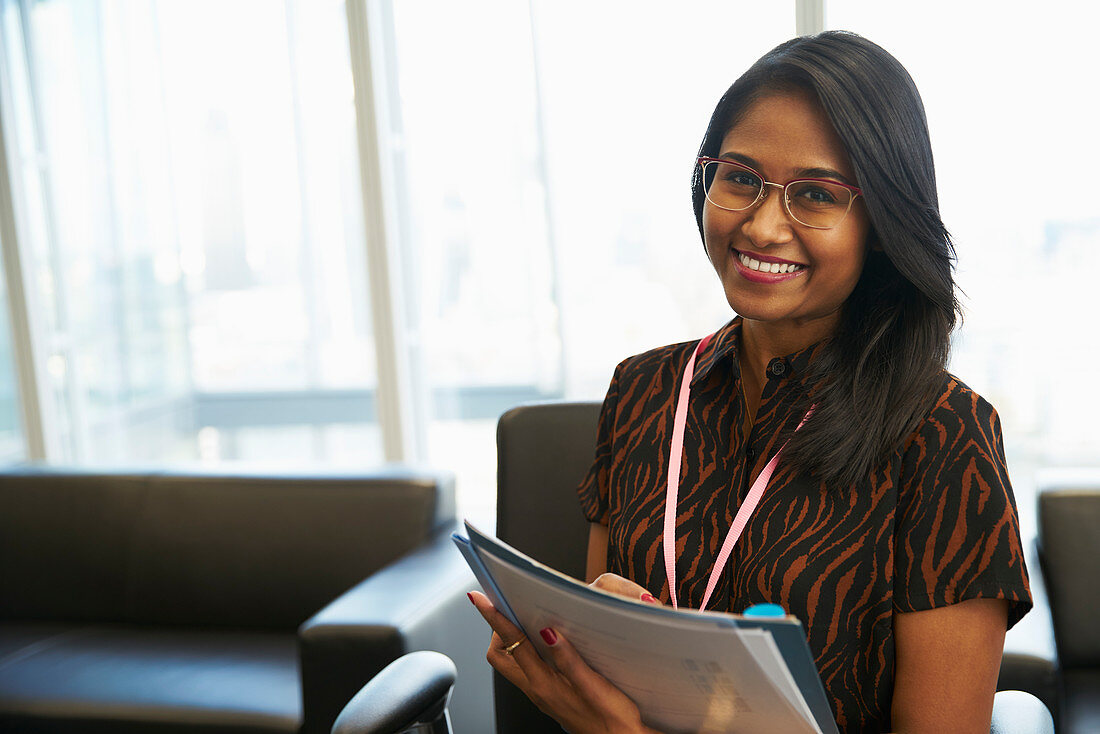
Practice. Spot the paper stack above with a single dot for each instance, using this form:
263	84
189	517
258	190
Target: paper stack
688	671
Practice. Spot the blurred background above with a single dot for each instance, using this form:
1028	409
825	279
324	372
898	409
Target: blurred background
215	252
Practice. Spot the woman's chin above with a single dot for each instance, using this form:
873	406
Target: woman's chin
752	309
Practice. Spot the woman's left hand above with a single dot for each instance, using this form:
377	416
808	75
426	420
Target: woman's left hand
577	697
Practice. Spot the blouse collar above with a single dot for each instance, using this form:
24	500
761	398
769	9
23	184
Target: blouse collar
725	343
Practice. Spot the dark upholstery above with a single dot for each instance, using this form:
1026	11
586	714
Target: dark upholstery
171	601
1080	702
64	544
106	678
418	603
411	691
543	452
1069	553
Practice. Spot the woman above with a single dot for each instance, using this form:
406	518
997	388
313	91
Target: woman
888	526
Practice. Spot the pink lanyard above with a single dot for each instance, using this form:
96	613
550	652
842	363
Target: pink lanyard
743	514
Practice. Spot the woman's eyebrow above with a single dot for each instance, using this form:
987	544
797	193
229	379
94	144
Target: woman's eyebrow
800	173
750	162
824	173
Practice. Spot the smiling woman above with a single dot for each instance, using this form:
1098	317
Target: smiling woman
865	489
828	255
855	112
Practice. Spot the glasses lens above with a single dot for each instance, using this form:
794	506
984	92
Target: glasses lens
731	185
818	203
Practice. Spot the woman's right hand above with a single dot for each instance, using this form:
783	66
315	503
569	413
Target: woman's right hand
579	698
615	584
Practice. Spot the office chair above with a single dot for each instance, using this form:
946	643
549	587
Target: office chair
543	453
409	696
1069	555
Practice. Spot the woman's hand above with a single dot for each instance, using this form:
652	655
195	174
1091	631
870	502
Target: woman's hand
623	587
577	697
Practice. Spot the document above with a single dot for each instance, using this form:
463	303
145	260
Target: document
688	671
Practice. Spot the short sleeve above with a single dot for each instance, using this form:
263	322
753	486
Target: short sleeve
594	491
957	534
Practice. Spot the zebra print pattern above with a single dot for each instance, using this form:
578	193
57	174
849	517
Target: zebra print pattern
935	524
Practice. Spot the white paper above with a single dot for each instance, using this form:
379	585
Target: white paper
762	646
687	674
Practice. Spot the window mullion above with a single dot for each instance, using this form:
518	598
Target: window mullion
394	395
24	353
809	17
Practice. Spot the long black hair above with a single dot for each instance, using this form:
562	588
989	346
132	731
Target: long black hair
879	373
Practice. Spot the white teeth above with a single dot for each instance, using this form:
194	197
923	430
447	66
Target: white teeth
752	264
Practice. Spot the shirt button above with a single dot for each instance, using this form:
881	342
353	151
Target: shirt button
750	453
777	367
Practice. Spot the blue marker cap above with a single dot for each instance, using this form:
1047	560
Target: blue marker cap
765	610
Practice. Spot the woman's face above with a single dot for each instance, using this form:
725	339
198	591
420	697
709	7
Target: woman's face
784	136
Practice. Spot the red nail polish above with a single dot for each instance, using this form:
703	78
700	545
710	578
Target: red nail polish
470	596
548	636
649	598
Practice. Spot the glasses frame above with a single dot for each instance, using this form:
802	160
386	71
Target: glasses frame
704	160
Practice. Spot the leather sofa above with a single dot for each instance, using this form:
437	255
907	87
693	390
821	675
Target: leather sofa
207	602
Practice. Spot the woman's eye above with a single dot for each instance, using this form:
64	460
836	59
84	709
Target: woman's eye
817	195
739	178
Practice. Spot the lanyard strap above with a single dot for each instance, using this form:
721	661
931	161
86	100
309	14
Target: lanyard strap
743	513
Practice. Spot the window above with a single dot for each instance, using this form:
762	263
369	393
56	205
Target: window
545	203
1013	109
192	215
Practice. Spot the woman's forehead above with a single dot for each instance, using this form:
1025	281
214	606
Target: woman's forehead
785	132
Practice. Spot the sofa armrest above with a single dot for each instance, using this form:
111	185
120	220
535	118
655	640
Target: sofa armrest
416	603
411	692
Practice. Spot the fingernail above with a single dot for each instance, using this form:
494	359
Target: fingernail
649	598
548	636
470	596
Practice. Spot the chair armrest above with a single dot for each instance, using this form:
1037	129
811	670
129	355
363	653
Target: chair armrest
412	690
416	603
1017	712
1035	674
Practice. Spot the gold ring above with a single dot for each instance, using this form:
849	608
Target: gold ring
508	650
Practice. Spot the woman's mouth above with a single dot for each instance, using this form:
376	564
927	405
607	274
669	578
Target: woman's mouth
768	267
758	271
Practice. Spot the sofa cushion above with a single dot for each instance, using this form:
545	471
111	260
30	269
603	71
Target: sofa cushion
247	550
267	552
119	679
64	544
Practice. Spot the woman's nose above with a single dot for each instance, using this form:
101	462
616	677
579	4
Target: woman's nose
768	224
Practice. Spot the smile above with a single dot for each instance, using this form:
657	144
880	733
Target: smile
768	267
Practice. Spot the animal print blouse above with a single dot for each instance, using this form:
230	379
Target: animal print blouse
934	525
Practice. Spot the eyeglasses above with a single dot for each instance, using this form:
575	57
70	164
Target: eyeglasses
817	203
